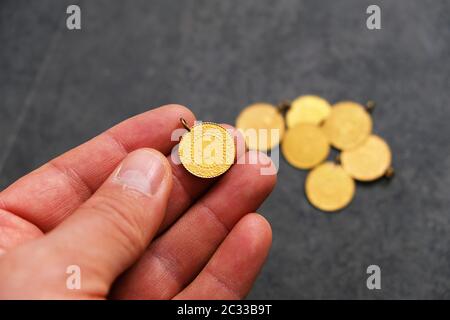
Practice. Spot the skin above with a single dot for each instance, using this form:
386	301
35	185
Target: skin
193	239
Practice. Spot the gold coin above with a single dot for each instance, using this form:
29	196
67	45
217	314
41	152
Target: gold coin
369	161
329	188
307	109
262	126
305	146
348	125
207	150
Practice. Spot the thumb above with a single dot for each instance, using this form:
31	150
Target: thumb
101	239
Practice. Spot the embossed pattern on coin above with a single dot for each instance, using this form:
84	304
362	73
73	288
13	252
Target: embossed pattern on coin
329	188
305	146
207	150
369	161
348	125
262	125
307	109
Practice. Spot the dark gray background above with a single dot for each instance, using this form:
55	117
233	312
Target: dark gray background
59	88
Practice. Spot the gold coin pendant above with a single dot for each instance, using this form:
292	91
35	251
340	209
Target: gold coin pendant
369	161
305	146
262	125
348	125
329	188
207	150
307	109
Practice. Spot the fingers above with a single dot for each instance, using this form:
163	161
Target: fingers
104	236
186	189
15	231
177	256
51	193
235	265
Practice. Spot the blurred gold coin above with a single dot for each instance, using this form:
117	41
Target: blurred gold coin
348	125
207	150
368	161
305	146
329	188
307	109
262	125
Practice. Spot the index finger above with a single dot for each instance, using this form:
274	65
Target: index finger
49	194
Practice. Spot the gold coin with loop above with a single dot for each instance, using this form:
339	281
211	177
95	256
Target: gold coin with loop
305	146
207	150
262	126
329	188
307	109
348	125
369	161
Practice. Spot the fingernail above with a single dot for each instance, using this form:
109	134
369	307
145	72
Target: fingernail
142	171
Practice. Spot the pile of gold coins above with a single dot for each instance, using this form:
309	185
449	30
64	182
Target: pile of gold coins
307	128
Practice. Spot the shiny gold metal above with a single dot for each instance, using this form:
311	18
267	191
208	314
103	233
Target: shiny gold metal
369	161
348	125
305	146
207	150
307	109
329	188
262	125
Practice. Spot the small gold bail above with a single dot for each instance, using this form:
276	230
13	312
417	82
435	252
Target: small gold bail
185	124
283	106
370	106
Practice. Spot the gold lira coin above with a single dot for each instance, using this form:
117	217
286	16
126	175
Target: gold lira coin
329	188
207	150
307	109
348	125
262	125
369	161
305	146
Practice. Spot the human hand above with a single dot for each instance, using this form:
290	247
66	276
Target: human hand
137	225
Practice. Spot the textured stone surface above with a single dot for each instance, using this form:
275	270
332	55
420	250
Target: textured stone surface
59	88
